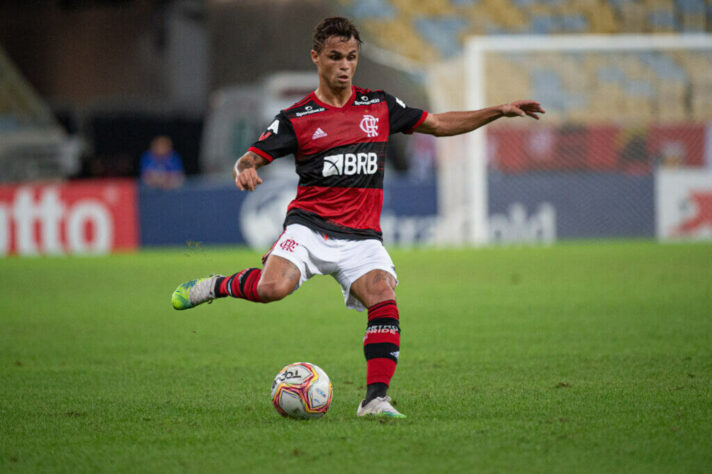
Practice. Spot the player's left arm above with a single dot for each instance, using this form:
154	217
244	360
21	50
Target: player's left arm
455	123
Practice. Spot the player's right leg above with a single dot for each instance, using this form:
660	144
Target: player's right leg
279	278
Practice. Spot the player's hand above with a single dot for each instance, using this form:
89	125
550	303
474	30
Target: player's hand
521	108
247	179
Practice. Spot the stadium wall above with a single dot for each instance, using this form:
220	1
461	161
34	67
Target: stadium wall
105	216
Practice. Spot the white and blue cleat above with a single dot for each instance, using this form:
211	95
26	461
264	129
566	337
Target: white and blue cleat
379	407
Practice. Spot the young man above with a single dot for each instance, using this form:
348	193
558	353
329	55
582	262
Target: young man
338	135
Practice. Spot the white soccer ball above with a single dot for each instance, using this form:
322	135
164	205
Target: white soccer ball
301	390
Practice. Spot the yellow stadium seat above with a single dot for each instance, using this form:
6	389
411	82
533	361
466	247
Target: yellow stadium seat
506	14
632	18
401	38
424	7
602	18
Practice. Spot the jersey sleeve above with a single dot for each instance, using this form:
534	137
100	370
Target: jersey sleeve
277	140
401	117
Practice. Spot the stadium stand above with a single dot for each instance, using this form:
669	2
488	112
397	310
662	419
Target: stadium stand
441	22
647	86
19	107
657	86
32	145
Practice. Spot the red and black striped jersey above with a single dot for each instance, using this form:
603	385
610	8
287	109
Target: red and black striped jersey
340	155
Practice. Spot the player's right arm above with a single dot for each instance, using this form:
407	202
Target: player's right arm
245	171
278	140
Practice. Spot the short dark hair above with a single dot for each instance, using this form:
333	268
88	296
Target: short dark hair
333	26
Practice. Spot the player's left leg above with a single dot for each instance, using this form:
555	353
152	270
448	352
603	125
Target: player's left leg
381	345
286	266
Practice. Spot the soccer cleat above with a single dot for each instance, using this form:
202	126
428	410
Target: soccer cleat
379	406
194	292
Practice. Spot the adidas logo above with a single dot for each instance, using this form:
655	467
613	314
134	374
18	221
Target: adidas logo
318	134
395	354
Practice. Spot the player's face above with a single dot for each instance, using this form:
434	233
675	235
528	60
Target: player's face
336	62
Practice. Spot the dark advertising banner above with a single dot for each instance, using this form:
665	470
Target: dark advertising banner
550	206
204	212
198	212
527	208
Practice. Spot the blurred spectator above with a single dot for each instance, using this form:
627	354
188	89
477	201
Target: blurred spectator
634	157
672	155
161	167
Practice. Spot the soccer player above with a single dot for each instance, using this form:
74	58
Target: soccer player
338	136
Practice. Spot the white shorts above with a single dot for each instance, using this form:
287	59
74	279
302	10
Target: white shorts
345	260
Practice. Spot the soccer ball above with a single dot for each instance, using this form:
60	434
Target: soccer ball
301	390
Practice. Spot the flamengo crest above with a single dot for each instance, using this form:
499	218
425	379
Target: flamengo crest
369	124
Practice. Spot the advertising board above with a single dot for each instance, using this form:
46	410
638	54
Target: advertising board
684	204
206	212
544	207
86	217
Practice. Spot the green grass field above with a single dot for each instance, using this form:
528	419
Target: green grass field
591	357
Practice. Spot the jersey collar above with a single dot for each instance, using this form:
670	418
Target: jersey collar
323	104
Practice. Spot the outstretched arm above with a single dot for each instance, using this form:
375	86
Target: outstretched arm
455	123
245	171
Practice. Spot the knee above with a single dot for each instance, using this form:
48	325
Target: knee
374	287
379	293
273	290
384	293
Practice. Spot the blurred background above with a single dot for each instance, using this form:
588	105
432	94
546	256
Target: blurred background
120	120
